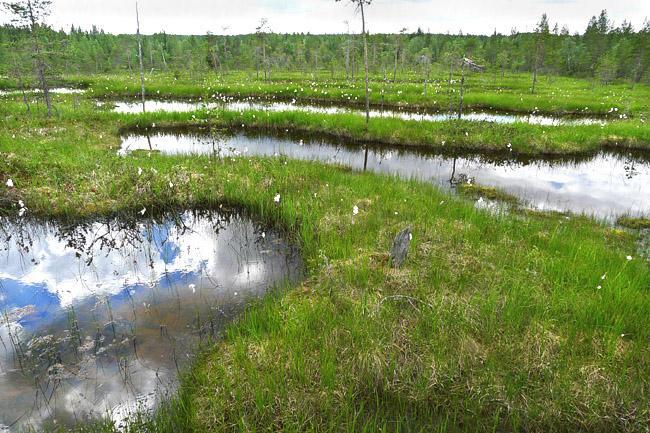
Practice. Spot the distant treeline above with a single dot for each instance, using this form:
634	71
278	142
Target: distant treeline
605	52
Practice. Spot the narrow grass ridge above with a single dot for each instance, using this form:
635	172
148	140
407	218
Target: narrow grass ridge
512	93
447	136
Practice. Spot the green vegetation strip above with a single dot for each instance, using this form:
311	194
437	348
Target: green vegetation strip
447	136
530	323
553	95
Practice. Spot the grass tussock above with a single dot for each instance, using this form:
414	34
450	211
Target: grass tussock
634	223
475	191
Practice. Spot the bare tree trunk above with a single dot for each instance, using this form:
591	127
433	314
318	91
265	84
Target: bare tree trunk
45	87
225	52
264	63
449	88
637	71
354	63
40	62
216	63
535	63
137	17
25	100
426	78
395	67
365	60
347	60
462	89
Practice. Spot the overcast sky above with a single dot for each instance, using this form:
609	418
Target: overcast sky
326	16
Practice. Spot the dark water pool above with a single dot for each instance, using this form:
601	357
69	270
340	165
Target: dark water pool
606	185
98	318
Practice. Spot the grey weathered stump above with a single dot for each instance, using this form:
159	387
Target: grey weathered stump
400	247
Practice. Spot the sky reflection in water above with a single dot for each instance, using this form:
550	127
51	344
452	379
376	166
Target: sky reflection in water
100	316
606	185
234	105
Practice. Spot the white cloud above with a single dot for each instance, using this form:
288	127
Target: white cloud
229	258
327	16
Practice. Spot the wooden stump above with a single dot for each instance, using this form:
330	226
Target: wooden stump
400	249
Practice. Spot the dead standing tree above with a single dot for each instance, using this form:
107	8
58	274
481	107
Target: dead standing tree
449	84
360	4
360	7
20	69
398	50
425	61
451	57
542	33
472	66
348	49
139	36
29	14
462	88
225	48
261	31
213	52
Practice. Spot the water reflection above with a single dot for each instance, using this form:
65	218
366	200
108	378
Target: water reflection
57	90
98	318
606	185
234	105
